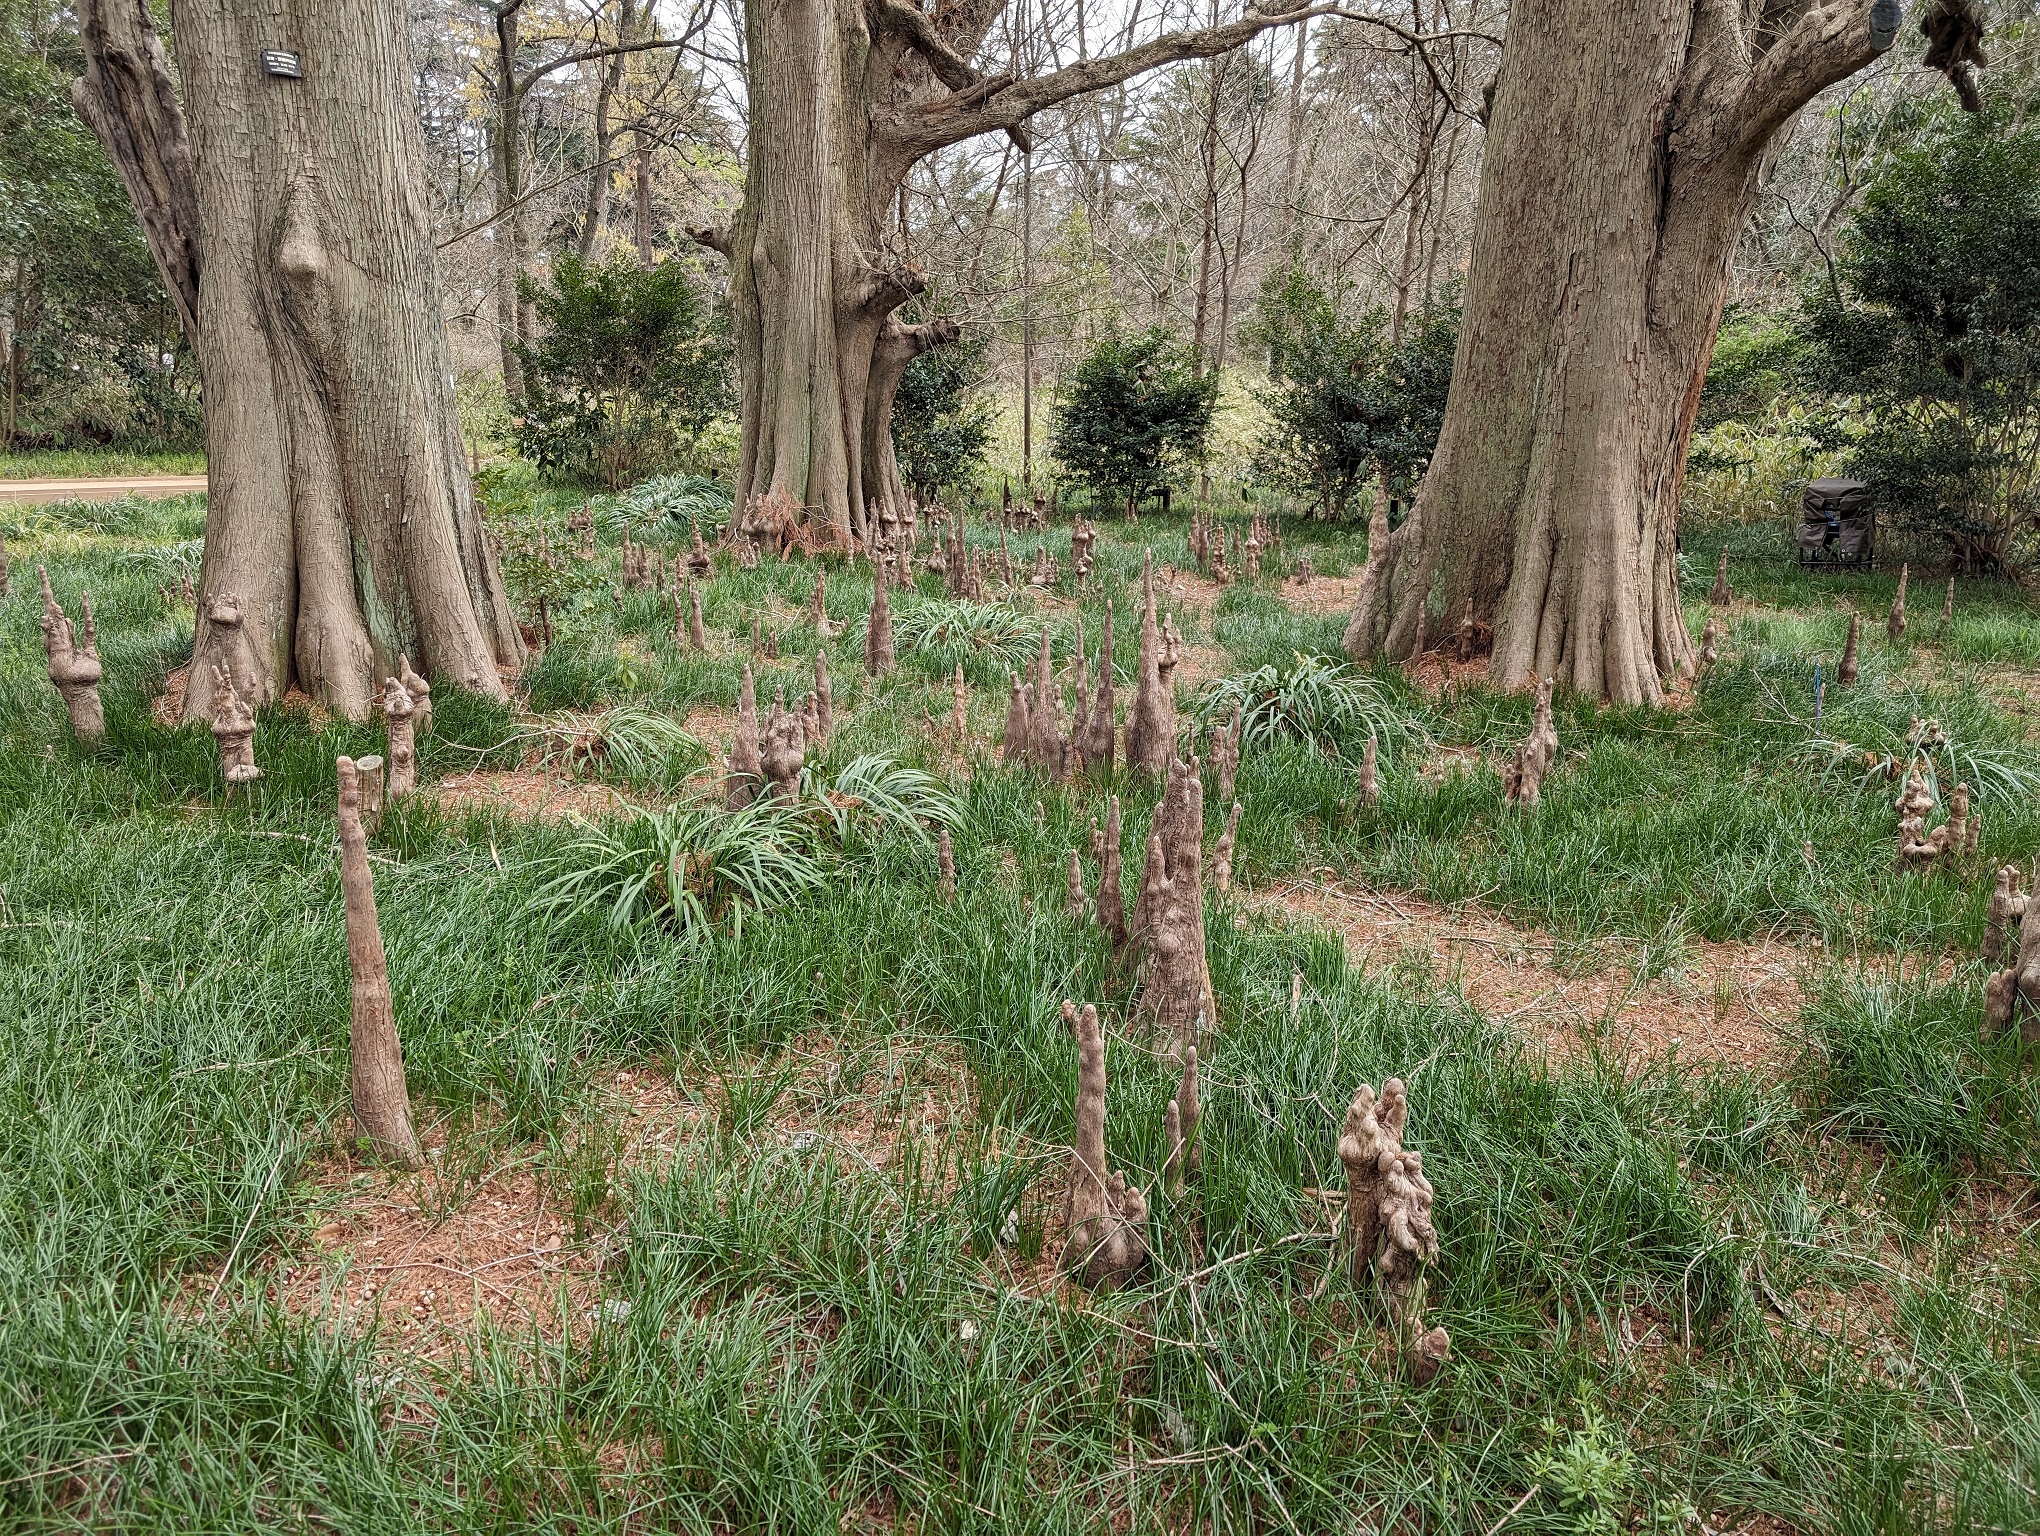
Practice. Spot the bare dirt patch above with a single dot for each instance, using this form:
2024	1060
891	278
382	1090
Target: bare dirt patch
490	1232
1175	587
1719	1002
524	793
1321	594
713	726
508	1256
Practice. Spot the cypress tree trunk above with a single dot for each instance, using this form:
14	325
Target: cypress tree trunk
844	97
340	521
1626	146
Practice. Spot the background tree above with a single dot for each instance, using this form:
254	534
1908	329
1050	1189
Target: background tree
288	222
1348	403
1932	335
532	56
843	100
1625	148
90	351
1137	410
630	368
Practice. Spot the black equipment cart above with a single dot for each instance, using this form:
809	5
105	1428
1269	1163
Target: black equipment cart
1837	527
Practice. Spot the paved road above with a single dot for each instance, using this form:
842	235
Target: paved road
35	492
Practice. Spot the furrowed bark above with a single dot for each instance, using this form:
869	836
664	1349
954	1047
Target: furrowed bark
1625	150
339	511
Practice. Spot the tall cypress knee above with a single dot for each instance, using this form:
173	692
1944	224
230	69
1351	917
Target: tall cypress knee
381	1101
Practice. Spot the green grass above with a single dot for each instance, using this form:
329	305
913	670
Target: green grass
1636	1259
84	463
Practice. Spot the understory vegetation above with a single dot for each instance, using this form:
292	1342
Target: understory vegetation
1682	1293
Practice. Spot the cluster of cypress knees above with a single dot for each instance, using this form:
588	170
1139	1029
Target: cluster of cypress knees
2011	997
75	670
1389	1234
377	1093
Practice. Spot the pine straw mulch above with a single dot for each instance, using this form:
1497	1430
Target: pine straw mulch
1730	1003
487	1234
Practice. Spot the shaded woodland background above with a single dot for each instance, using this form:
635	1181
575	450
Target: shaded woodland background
1317	184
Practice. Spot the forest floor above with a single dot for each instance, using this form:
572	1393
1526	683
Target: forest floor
758	1228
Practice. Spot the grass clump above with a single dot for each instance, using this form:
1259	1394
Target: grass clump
699	870
1326	704
942	633
696	868
628	741
1903	1066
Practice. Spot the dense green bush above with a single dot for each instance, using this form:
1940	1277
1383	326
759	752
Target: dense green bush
1755	360
97	358
1929	337
632	367
1135	411
942	419
1351	400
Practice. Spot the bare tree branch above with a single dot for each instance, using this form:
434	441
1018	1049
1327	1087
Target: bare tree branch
540	71
538	191
918	28
1827	43
946	122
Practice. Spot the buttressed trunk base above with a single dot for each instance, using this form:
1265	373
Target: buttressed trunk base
340	527
1626	146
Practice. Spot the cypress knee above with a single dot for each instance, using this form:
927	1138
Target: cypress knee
380	1099
400	712
74	662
